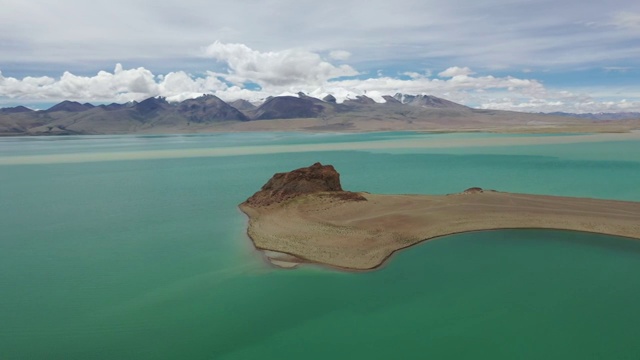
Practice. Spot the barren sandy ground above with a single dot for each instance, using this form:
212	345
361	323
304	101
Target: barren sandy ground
522	123
361	235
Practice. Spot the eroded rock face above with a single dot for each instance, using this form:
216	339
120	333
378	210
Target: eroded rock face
316	178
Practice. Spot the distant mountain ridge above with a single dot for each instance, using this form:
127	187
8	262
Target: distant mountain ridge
427	101
15	110
210	113
70	106
600	116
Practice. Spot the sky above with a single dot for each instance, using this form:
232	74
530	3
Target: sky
534	56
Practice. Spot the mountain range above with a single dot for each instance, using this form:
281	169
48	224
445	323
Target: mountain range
601	115
209	113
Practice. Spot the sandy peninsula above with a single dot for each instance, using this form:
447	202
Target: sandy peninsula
305	216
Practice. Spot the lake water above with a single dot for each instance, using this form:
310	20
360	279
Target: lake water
132	247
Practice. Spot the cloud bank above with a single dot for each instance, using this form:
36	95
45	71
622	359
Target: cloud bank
253	75
57	50
121	85
478	34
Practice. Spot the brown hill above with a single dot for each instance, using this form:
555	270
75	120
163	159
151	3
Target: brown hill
316	178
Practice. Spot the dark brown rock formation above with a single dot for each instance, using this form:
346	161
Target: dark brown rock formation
473	190
316	178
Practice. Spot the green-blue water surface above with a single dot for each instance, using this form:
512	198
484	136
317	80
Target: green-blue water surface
148	259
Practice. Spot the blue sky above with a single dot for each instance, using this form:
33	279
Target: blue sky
572	56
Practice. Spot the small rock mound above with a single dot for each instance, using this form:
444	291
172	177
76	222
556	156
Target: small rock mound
316	178
473	190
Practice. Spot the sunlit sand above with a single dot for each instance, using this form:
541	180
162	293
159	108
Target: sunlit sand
329	228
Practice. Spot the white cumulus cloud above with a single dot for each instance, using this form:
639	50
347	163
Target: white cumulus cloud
121	85
275	68
294	70
455	71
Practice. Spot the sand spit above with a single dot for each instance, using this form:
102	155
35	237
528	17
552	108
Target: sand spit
375	145
360	234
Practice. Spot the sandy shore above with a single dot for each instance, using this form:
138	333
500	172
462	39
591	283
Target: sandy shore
415	143
362	235
489	121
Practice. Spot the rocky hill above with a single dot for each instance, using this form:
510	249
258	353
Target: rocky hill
316	178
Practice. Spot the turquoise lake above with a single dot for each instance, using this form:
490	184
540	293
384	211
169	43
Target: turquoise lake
132	247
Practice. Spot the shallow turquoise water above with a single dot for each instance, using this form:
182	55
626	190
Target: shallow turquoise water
147	259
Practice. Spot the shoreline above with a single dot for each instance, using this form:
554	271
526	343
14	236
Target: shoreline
505	123
299	261
563	129
357	239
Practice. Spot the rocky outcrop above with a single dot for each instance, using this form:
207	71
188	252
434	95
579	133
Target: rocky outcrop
316	178
473	190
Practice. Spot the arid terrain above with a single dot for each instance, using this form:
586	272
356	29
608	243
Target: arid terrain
305	216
